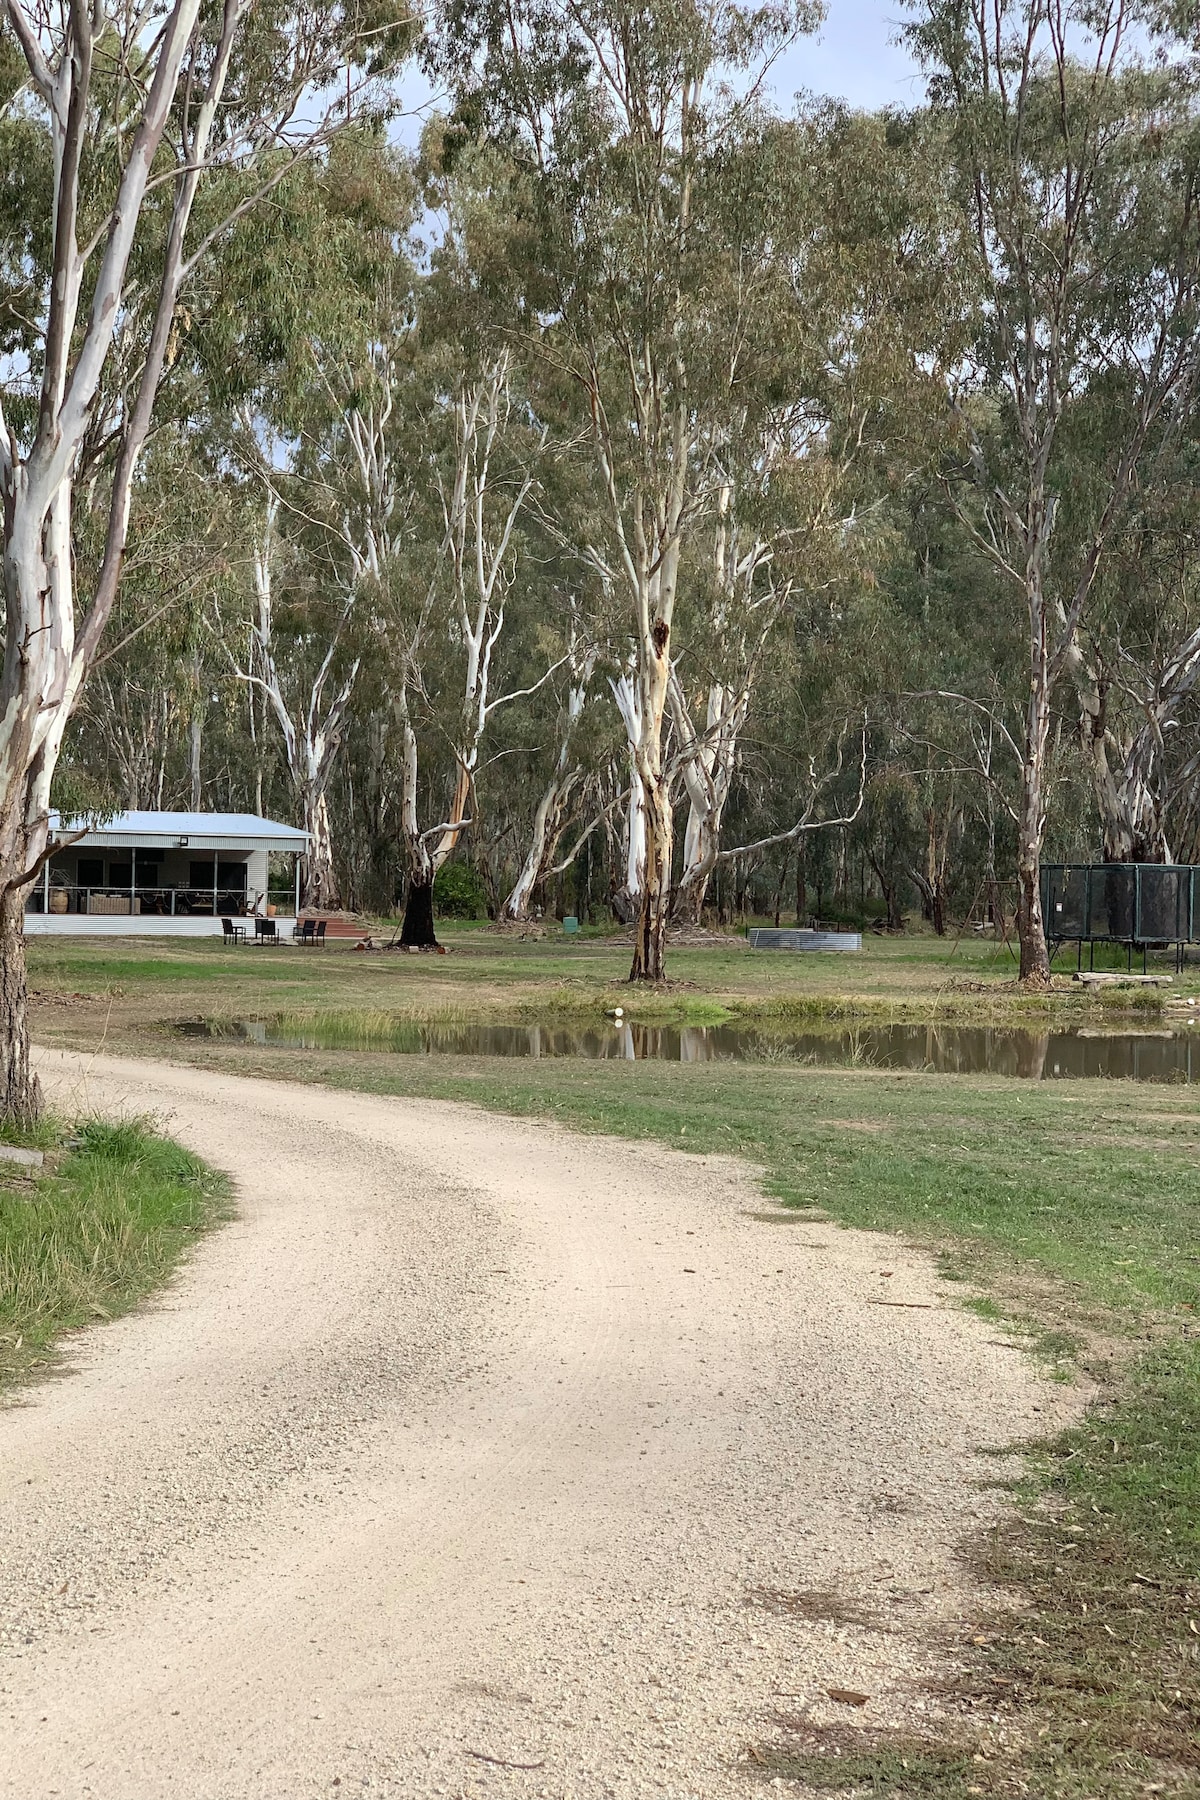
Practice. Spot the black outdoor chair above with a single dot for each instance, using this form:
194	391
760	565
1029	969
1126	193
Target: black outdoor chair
319	933
303	933
265	932
233	934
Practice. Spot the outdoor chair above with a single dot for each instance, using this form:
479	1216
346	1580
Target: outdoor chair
233	934
303	933
265	932
319	933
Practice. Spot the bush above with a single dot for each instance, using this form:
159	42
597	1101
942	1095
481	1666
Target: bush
458	893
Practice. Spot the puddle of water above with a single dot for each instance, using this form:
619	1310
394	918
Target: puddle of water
1149	1055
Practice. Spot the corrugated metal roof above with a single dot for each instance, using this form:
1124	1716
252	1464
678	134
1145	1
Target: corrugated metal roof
203	831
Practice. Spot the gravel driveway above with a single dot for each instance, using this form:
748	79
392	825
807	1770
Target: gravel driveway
477	1458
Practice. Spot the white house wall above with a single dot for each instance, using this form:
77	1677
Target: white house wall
257	868
120	925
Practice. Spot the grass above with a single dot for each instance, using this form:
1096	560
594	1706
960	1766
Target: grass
91	1237
490	975
840	1762
1066	1209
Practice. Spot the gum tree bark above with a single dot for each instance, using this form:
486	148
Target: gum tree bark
658	264
464	603
479	552
1125	746
932	876
747	605
627	900
707	777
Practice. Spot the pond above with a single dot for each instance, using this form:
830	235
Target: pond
1150	1054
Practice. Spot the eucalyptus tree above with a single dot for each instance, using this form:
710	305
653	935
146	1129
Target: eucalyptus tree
141	716
305	675
777	543
890	837
1071	257
802	300
489	474
1135	669
554	812
430	486
289	342
618	119
148	129
747	600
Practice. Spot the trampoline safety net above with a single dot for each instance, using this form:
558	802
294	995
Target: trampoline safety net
1124	903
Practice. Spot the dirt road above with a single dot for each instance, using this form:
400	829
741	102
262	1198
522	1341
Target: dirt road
473	1444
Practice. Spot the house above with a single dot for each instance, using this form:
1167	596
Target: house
161	872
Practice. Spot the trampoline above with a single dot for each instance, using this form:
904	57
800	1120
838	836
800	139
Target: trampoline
1144	906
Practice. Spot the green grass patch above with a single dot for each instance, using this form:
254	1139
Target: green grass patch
91	1237
877	1764
491	974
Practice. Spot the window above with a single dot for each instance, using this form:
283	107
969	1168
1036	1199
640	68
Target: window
90	871
231	876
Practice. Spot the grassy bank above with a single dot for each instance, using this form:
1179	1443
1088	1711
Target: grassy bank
107	1221
106	986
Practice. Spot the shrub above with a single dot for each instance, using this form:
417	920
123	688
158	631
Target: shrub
458	893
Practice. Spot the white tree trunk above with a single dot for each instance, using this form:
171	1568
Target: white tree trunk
312	729
708	777
550	815
627	901
45	658
1126	762
319	888
480	516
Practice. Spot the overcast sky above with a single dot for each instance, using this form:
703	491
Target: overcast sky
852	57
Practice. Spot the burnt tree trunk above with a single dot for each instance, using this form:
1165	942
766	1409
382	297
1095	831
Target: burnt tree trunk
417	932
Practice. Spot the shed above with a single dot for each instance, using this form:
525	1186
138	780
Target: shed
166	865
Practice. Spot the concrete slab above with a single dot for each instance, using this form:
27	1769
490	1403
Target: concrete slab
28	1159
768	938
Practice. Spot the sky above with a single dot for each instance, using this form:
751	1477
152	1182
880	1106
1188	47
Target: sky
851	58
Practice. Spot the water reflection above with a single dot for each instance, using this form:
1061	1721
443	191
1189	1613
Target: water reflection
1149	1055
